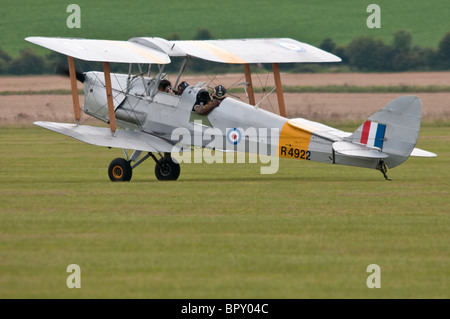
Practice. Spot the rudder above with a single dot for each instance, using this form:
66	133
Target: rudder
394	129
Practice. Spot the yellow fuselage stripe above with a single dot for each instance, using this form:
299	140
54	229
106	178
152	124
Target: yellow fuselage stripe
294	141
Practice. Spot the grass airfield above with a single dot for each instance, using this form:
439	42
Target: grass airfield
221	230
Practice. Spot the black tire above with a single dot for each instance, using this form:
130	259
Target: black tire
167	170
120	170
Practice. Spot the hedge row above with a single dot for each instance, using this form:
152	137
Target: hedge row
366	54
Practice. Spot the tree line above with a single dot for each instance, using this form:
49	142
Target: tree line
362	54
370	54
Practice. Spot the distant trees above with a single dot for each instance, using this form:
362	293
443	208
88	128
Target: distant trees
27	63
367	54
4	61
370	54
203	34
329	46
443	53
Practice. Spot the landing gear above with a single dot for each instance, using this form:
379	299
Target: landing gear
120	170
166	169
383	169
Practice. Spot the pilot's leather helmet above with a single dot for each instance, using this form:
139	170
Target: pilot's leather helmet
220	90
182	86
203	97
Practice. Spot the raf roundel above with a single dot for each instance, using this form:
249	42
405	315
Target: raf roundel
292	46
234	136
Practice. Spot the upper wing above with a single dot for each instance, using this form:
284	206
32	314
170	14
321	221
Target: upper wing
242	51
101	136
158	50
102	50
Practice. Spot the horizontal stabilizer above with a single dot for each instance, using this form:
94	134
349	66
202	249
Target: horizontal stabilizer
422	153
102	136
102	50
357	150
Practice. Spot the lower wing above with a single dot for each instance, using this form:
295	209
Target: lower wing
102	136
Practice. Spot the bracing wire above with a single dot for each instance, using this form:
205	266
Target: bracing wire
264	86
117	92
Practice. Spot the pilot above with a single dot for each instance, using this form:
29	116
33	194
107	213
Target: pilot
204	103
165	86
219	93
181	87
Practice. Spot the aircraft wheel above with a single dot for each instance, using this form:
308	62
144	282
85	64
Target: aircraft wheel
167	170
120	170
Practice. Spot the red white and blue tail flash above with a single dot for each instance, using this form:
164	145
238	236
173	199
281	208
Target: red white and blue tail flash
373	134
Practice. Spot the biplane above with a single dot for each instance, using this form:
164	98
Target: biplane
143	119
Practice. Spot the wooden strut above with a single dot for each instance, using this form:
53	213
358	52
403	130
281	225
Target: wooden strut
248	79
73	85
109	97
280	96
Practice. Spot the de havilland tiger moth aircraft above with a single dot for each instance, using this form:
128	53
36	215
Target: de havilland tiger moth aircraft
142	118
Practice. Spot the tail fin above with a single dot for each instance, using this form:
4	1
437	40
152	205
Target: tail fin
394	129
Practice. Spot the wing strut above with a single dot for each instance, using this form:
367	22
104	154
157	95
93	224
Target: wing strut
248	79
109	97
280	96
73	84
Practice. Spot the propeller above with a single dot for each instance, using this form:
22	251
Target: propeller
64	70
